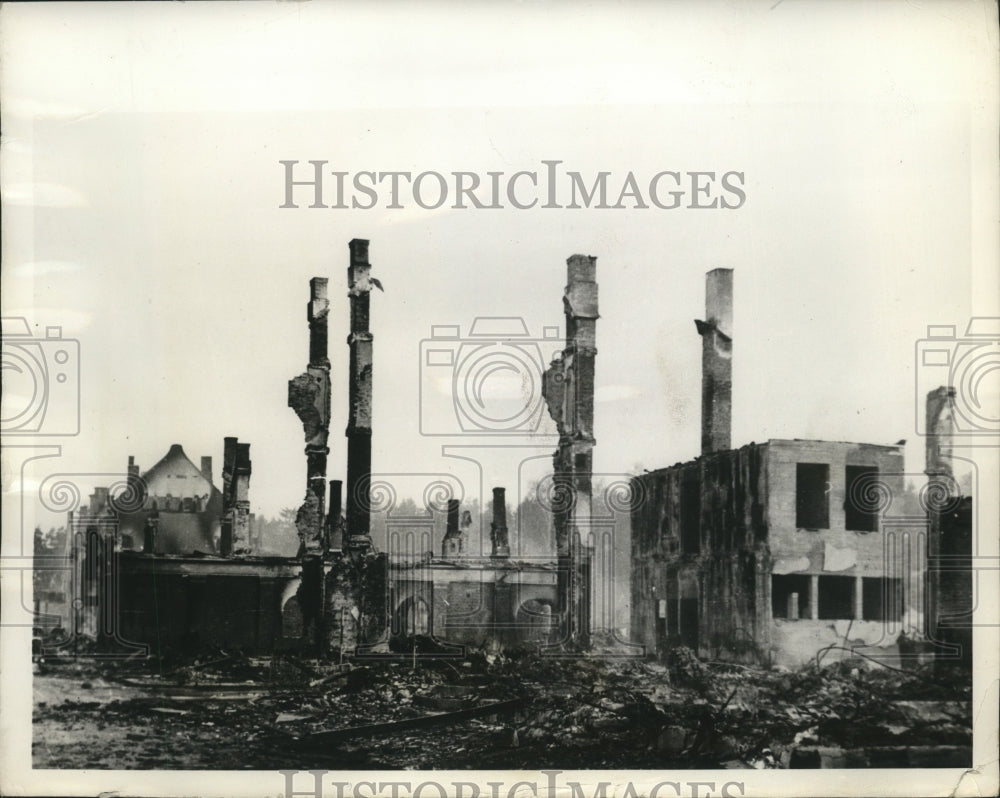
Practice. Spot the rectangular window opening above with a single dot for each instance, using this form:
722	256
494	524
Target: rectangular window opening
812	496
690	514
790	596
861	498
882	599
836	598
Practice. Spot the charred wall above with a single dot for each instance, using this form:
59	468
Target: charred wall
699	554
176	604
955	585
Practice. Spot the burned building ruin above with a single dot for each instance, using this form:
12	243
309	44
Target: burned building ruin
777	552
495	598
175	562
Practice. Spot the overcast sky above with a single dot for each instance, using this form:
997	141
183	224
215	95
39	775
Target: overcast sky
143	187
142	184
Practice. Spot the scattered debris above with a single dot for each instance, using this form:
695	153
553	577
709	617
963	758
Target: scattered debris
506	709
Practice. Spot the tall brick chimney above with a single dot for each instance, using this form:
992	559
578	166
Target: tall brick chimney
452	546
309	397
359	419
228	464
498	528
717	362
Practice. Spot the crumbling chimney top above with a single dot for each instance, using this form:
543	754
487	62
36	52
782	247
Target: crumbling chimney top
716	362
318	287
581	268
359	250
719	300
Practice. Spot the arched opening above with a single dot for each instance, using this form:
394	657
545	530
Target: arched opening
413	617
536	621
291	619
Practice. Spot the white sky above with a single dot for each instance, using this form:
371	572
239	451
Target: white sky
151	135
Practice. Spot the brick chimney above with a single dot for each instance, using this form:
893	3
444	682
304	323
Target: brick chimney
498	528
717	362
452	546
359	419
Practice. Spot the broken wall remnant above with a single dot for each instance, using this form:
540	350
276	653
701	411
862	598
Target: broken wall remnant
309	397
475	602
498	526
949	538
568	388
716	333
356	605
359	420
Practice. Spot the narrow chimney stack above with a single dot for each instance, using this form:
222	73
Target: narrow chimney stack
359	421
498	530
206	467
716	333
336	498
309	397
228	467
940	431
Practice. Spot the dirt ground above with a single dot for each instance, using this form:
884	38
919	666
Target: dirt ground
230	712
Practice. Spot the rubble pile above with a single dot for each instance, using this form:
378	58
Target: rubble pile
489	710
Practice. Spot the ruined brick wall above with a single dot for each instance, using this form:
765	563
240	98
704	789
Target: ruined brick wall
511	605
698	550
184	604
734	620
858	588
955	585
